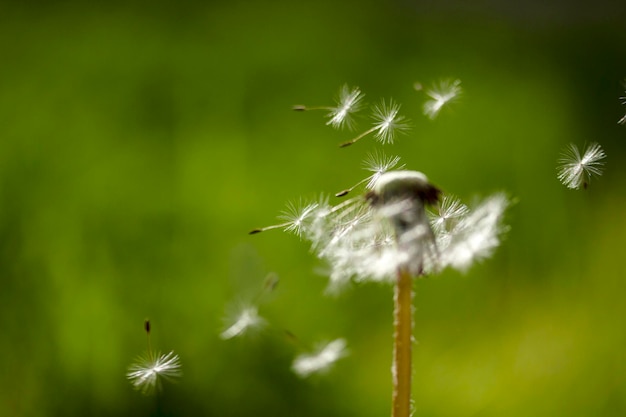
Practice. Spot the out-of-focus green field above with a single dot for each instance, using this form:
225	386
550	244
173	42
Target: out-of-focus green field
140	143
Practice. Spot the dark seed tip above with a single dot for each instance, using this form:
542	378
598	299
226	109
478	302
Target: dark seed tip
299	107
342	193
255	231
146	325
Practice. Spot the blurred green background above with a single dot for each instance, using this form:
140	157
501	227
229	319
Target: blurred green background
140	142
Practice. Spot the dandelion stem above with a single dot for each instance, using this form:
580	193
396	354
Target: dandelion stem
403	328
361	136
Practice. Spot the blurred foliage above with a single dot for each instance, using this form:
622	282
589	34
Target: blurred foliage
140	142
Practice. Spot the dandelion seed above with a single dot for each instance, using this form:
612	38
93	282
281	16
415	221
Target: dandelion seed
377	163
387	122
148	371
445	92
320	361
475	236
296	218
349	102
247	319
575	170
448	210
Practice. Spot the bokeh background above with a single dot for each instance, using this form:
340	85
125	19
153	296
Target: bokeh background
141	141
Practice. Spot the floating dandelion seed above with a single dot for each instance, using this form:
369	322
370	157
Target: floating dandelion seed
146	373
320	361
575	170
441	94
349	101
387	122
247	319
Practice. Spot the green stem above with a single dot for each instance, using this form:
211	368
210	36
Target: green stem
403	328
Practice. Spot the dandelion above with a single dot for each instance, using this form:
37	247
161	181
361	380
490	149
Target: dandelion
576	170
321	360
387	122
349	101
246	320
445	92
388	235
146	373
356	237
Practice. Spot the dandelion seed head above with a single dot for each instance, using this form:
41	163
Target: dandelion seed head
349	102
387	121
575	170
369	238
403	185
146	373
320	361
245	321
446	91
